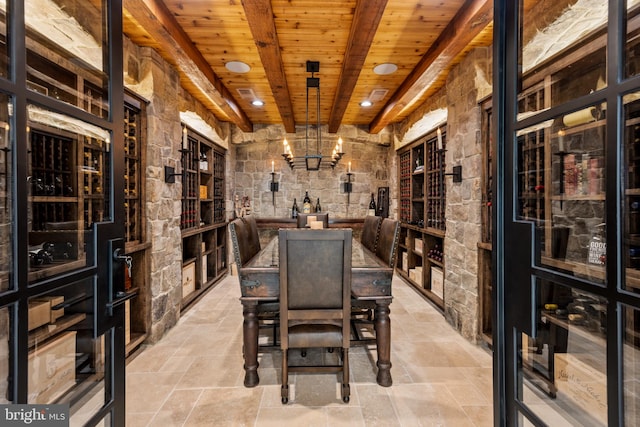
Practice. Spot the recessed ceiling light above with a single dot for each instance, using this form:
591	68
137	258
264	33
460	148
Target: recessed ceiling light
237	67
386	68
366	103
257	103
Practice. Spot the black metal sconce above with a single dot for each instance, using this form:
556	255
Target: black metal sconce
170	172
348	187
456	173
273	187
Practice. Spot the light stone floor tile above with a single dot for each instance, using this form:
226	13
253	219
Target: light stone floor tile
194	377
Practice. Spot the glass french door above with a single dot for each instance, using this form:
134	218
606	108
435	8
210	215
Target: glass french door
567	225
61	231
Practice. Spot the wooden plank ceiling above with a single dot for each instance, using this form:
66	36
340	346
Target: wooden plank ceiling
423	38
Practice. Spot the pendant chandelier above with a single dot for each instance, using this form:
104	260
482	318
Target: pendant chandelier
313	160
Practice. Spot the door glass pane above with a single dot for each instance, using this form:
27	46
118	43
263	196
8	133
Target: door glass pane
563	52
66	362
561	190
631	367
69	170
4	54
6	156
631	201
562	373
5	357
632	52
66	47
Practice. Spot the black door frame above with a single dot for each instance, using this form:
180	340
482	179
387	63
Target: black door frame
104	272
512	267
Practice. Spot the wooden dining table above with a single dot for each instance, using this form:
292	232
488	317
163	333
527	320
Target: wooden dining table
370	281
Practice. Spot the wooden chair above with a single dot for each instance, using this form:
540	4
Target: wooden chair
320	216
387	250
244	239
315	298
370	232
245	242
387	245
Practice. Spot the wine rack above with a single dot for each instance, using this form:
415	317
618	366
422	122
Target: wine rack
94	196
218	187
190	159
132	177
435	185
422	215
204	232
485	279
632	192
531	176
405	187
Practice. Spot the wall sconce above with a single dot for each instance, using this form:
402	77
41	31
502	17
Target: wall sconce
170	172
274	184
348	187
456	173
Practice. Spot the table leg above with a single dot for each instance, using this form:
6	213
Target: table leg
382	325
250	343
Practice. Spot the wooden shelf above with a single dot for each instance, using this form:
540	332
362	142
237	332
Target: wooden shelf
38	335
135	341
422	211
203	218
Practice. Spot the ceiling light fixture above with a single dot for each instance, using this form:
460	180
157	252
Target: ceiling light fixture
313	160
237	67
366	103
257	103
384	69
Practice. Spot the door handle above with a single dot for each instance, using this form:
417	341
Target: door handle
119	256
121	297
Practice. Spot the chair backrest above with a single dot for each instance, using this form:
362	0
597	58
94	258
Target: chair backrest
320	216
315	276
244	239
387	246
370	232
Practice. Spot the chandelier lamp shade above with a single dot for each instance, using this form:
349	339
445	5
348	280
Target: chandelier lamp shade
313	159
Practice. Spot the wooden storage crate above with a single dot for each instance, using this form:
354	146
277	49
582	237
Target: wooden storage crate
52	369
583	384
39	313
188	279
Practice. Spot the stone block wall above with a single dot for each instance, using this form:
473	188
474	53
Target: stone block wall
151	77
372	166
466	84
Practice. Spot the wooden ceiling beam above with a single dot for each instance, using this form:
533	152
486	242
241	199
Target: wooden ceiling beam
158	21
261	20
366	18
467	24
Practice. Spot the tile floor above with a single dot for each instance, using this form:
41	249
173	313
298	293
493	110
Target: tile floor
194	375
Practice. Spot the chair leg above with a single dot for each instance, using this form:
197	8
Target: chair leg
346	390
284	391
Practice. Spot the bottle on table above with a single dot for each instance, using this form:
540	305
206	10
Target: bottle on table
306	203
318	207
294	209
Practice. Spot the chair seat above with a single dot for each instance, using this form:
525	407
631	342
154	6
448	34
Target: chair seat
310	335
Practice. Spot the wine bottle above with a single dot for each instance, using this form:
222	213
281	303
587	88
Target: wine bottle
306	203
318	207
372	207
204	162
294	210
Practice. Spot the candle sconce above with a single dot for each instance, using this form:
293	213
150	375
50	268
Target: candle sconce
170	172
273	187
456	173
348	187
